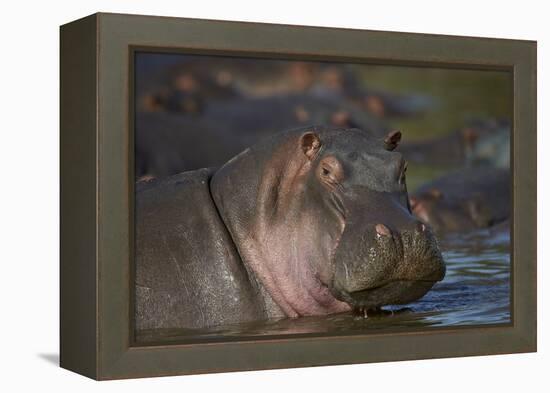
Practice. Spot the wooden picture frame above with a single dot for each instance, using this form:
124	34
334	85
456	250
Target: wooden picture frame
97	195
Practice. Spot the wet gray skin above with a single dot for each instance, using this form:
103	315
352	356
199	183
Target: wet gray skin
464	200
312	221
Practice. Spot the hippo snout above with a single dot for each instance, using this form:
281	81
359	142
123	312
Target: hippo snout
390	266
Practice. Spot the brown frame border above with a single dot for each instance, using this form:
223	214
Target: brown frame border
97	194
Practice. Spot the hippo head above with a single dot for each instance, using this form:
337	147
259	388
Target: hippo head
323	221
467	199
443	212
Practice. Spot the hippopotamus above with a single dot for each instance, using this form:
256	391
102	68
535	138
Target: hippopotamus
187	93
169	143
464	200
480	142
346	82
311	221
266	115
183	83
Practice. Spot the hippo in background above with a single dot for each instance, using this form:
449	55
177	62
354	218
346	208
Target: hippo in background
465	200
481	142
169	143
166	144
344	82
188	93
264	116
190	85
311	221
250	77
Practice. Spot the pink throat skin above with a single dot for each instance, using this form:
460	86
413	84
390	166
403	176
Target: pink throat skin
282	251
290	280
283	240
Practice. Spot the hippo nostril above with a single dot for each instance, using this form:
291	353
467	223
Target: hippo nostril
420	227
382	230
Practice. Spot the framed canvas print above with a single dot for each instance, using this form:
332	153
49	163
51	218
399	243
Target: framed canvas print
241	196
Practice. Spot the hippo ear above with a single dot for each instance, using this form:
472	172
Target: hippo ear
435	193
392	140
469	135
310	144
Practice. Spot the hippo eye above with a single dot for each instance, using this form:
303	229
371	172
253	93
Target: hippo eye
330	171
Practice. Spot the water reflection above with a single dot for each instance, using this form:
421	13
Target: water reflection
475	291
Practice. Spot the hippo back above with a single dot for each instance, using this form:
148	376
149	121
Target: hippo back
188	272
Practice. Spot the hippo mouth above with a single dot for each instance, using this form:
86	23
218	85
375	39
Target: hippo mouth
393	292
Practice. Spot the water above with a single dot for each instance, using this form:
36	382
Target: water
475	291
